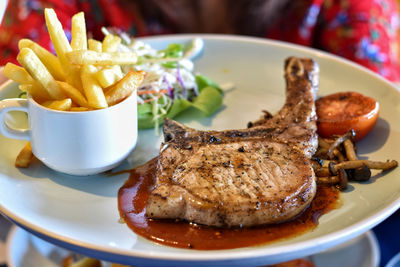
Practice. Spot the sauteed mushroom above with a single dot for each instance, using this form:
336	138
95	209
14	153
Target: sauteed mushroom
340	180
328	180
348	136
361	174
341	164
322	172
350	150
343	180
377	165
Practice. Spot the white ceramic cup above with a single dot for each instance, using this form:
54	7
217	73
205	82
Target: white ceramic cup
76	143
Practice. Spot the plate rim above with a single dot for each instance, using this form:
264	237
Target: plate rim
368	235
334	238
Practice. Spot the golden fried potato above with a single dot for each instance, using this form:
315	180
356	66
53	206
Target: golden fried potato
48	59
109	75
87	262
73	93
17	74
79	109
93	91
81	57
62	105
111	43
24	157
36	91
62	46
95	45
125	87
32	64
78	32
58	37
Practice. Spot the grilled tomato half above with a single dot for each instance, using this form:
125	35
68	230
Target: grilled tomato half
340	112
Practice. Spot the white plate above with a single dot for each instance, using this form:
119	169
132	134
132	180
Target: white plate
26	250
394	262
80	213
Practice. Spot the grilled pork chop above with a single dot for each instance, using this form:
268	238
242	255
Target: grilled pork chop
247	177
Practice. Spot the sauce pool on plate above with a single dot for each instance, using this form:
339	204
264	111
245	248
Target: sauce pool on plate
132	198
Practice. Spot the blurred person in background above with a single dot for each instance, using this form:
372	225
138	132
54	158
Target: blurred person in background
364	31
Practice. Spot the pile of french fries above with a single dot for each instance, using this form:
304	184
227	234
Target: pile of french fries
85	74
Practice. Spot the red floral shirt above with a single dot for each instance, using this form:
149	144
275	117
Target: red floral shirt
364	31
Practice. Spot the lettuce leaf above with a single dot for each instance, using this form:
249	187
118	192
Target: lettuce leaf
173	51
208	101
203	82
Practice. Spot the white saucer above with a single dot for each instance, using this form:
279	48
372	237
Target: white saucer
27	250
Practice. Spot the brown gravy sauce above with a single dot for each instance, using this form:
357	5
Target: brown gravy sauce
132	198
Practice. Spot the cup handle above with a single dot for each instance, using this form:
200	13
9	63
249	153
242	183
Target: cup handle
6	106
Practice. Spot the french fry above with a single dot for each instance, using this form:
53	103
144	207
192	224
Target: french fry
81	57
24	157
62	46
95	45
67	261
111	43
26	82
48	59
87	262
17	74
77	109
63	105
32	64
109	75
78	32
58	38
73	93
36	91
93	91
125	87
74	77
